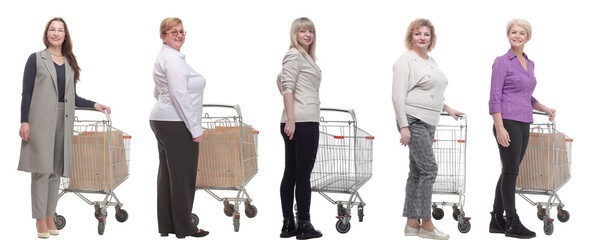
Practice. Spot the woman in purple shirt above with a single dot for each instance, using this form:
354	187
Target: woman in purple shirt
511	104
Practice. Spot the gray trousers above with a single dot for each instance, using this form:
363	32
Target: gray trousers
45	186
423	170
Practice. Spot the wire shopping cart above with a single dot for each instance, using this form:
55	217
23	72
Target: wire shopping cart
228	159
343	164
545	168
449	146
100	163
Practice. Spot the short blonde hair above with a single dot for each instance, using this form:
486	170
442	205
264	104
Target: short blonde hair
420	22
168	23
295	26
520	22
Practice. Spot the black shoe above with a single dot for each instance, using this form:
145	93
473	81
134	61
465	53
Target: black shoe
497	224
514	228
163	234
200	233
289	229
306	231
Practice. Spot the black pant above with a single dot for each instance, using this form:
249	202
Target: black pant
300	154
176	177
511	157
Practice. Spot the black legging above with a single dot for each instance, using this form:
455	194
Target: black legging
511	157
300	154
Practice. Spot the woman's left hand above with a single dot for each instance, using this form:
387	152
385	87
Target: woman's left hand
102	108
198	139
551	113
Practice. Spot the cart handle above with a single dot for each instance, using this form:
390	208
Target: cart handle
349	111
540	113
447	114
236	107
107	115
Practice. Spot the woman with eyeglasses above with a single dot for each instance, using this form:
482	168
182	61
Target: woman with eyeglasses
176	122
47	120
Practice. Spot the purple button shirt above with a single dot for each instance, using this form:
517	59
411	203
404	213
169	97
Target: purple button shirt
512	88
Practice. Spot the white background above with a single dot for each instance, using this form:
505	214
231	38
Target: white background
238	46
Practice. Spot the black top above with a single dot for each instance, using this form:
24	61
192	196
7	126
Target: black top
29	84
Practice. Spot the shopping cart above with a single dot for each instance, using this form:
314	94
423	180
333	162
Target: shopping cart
228	159
449	146
343	164
100	163
546	167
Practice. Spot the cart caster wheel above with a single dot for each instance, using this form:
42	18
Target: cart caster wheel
541	214
101	225
361	213
236	224
123	216
229	211
97	215
456	214
548	228
438	214
252	211
194	220
564	216
465	227
60	222
341	227
341	210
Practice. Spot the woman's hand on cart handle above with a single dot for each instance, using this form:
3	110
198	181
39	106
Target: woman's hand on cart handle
406	135
24	131
547	110
198	139
454	113
102	108
290	129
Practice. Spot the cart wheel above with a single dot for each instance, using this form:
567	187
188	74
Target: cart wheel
101	225
194	220
123	216
438	214
252	211
465	227
97	215
60	222
548	228
456	214
229	210
361	213
341	210
541	214
341	227
236	223
564	216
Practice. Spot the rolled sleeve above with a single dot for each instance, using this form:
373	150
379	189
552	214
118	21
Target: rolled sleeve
497	86
290	71
533	100
399	92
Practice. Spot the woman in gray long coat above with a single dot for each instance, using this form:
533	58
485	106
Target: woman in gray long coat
47	120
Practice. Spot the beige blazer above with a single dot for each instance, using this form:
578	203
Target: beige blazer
302	77
36	155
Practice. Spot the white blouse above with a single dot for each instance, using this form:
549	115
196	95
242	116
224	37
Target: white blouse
178	91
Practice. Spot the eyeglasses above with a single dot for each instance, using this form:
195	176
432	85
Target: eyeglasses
175	33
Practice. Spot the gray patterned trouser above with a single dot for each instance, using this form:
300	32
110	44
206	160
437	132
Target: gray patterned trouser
423	170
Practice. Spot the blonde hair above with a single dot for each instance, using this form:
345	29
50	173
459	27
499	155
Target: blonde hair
520	22
295	26
168	23
420	22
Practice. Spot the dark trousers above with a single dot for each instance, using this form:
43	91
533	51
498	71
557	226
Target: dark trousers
511	157
176	177
300	154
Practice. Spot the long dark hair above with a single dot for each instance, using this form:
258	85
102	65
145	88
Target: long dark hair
66	47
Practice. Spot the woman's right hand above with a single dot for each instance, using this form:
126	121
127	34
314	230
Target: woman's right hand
23	132
405	139
290	129
502	136
198	139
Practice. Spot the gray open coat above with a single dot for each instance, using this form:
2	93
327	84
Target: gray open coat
36	155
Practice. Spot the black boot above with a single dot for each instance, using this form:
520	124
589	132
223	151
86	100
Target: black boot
514	228
306	231
497	224
289	229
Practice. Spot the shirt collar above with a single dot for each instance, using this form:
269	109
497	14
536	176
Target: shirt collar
172	50
511	55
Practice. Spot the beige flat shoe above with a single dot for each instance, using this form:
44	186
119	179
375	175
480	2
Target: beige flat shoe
43	235
53	232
